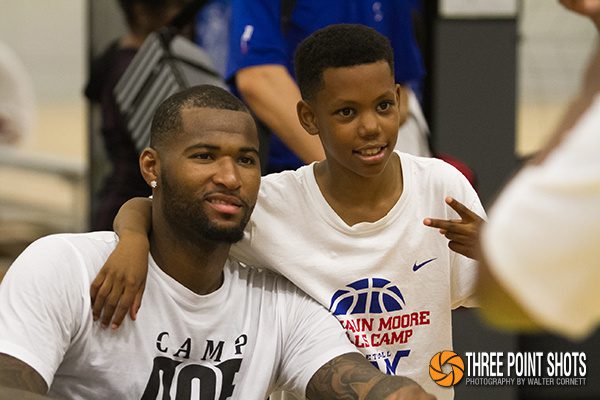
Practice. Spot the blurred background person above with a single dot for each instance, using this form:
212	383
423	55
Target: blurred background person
124	181
17	101
263	37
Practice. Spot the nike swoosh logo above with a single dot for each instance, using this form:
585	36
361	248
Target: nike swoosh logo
416	266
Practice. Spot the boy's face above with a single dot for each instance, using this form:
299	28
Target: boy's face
356	115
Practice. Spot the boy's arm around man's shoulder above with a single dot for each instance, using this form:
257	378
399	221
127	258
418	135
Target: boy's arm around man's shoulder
119	285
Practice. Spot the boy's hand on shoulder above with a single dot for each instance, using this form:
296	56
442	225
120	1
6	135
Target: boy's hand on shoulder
463	234
119	285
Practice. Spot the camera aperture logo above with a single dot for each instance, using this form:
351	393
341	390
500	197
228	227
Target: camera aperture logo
509	369
450	361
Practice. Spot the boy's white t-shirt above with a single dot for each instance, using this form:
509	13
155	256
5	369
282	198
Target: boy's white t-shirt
392	283
255	334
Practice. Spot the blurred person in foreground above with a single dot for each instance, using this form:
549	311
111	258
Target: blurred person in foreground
211	328
541	246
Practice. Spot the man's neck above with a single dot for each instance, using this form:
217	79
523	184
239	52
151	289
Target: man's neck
196	265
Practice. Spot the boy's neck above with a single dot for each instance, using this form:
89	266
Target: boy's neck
357	198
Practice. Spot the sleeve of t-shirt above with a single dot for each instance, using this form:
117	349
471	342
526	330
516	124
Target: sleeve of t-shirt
541	242
463	269
312	337
255	35
41	301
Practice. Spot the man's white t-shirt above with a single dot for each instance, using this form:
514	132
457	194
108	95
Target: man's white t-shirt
392	283
543	238
255	334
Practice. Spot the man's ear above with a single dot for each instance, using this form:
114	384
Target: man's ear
307	117
402	101
150	165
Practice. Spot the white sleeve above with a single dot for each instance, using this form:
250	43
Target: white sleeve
41	301
543	238
312	337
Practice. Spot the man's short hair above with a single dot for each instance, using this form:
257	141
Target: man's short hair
167	122
341	45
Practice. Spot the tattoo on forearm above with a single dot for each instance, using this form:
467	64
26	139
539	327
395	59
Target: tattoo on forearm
352	377
16	374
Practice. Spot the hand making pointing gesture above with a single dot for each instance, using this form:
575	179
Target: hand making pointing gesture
463	233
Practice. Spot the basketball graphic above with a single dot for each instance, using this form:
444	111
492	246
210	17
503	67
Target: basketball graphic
368	295
454	361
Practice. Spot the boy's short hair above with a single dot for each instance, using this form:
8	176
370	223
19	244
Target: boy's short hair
167	122
340	45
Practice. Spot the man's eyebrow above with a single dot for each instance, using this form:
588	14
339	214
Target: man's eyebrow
246	149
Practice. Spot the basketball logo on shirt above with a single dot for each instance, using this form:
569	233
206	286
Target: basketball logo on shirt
373	313
373	294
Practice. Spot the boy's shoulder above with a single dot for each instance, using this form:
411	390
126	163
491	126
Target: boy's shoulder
286	181
432	166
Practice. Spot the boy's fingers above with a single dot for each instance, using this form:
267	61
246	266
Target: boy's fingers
459	248
137	303
125	302
460	208
96	285
446	224
458	237
111	304
100	298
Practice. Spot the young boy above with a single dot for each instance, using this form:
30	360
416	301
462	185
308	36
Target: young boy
349	230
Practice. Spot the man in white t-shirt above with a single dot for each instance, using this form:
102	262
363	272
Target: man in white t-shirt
541	244
211	328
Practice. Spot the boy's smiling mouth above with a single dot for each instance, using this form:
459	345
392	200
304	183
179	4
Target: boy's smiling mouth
370	152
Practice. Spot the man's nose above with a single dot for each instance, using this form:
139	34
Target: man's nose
227	173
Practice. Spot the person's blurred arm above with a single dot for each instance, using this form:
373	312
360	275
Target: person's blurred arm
498	307
15	374
272	94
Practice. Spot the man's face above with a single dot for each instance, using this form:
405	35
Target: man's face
357	117
210	175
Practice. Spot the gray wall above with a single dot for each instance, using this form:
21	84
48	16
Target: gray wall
473	119
473	105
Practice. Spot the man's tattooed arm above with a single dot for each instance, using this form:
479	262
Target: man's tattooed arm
351	376
18	375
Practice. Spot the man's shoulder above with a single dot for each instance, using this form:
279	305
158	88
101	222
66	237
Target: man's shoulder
67	252
76	241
